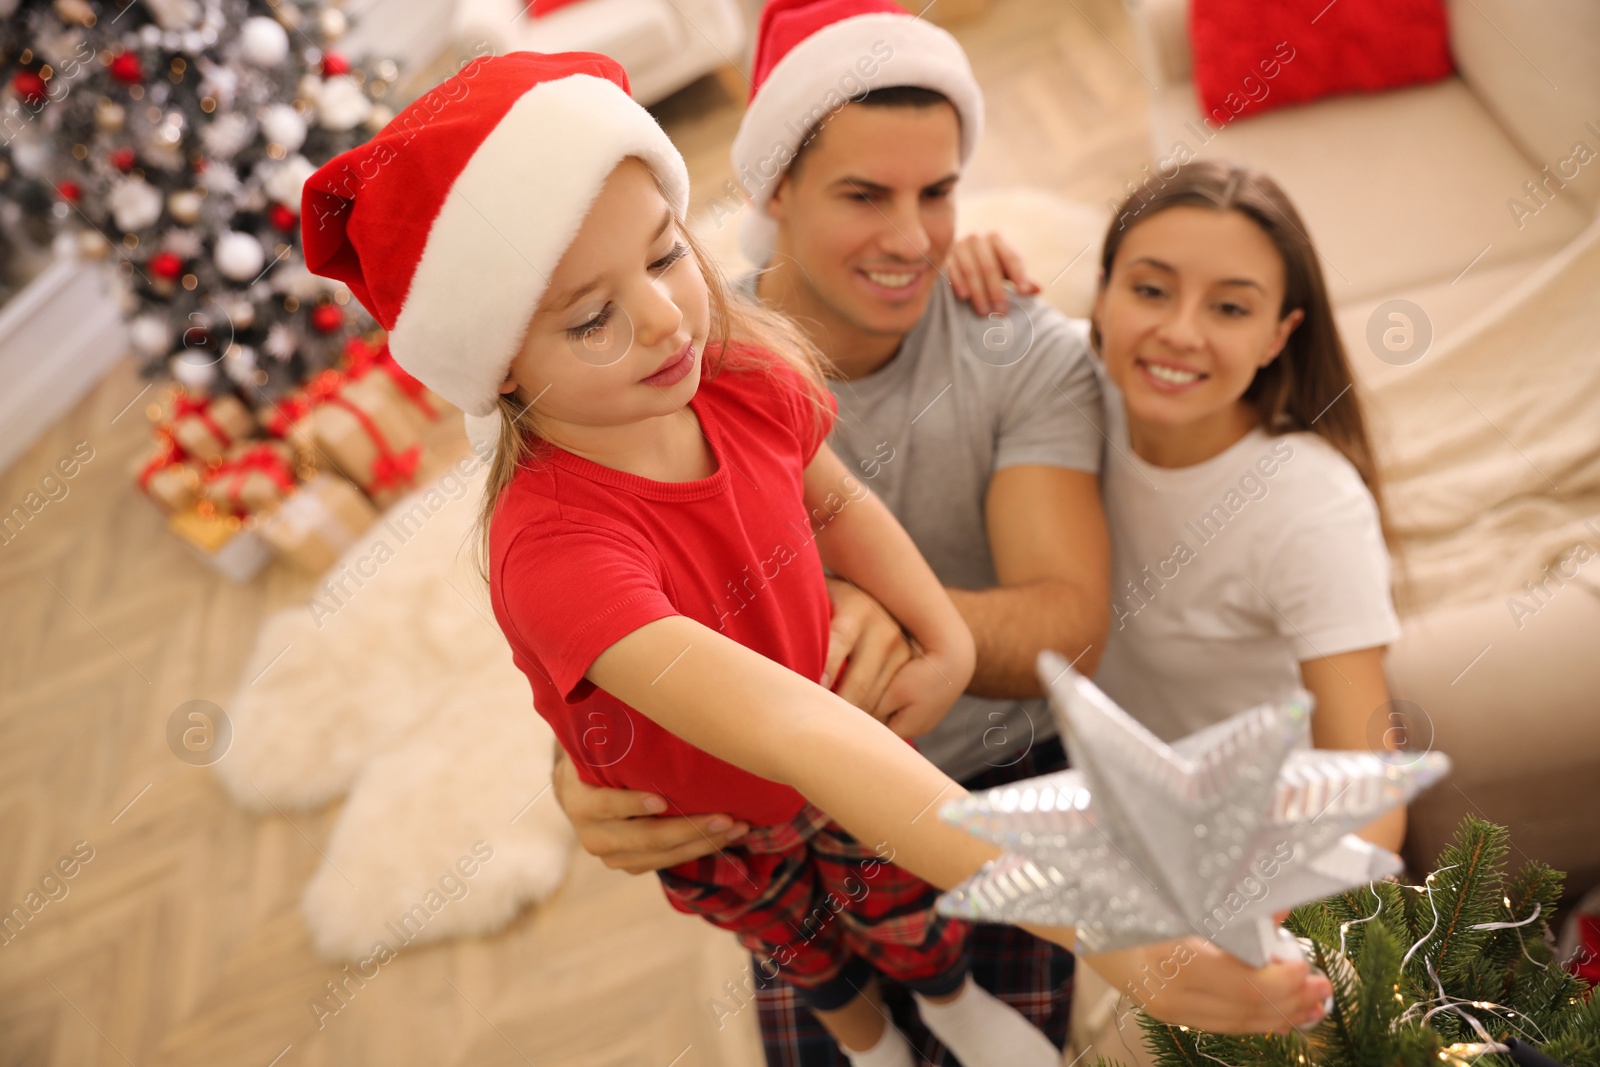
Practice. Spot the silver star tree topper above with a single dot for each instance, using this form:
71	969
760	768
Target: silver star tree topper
1144	841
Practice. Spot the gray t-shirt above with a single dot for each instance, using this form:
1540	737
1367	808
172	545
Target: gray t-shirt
964	397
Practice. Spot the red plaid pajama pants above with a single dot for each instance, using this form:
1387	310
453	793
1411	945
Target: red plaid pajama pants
822	912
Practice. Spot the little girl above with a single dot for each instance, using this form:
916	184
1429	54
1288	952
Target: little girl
1241	493
659	509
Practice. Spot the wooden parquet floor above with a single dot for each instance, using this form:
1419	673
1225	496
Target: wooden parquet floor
177	938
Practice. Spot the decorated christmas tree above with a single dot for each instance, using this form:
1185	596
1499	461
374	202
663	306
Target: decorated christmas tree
1458	970
172	137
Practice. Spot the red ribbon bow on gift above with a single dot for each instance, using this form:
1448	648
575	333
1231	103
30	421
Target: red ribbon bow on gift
263	458
200	407
170	454
360	358
388	469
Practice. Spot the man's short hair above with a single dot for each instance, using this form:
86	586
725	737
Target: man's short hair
887	96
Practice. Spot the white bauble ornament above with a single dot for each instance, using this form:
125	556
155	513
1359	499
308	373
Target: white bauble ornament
32	156
332	23
150	335
282	124
218	81
134	204
194	371
220	179
240	364
344	105
280	343
239	256
227	135
309	89
263	42
285	181
150	35
184	205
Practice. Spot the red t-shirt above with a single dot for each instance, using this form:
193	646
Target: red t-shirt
582	555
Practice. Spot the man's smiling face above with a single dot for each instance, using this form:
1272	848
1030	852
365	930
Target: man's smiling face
866	212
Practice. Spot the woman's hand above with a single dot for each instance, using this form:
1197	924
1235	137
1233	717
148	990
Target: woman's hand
1193	983
978	267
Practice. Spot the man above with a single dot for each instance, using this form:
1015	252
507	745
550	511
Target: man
981	433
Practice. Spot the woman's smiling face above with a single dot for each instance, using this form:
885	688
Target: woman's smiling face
1189	313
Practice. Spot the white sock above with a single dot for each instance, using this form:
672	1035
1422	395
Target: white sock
984	1031
892	1050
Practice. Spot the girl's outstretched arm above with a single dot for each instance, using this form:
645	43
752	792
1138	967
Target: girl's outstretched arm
757	714
741	707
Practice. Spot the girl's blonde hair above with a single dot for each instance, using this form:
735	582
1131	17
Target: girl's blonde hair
740	327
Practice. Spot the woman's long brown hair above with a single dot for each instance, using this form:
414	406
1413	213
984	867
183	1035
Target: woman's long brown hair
739	326
1308	388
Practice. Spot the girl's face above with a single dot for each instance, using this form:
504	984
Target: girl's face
1190	313
621	328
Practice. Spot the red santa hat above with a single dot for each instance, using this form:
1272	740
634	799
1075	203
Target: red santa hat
813	56
447	224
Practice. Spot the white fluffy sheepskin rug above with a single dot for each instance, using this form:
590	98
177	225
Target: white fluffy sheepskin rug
394	685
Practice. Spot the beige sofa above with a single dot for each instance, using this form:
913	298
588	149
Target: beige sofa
1488	440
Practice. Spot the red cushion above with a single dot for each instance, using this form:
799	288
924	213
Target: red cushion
1255	55
544	7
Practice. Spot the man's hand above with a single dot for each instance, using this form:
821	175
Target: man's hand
864	633
626	829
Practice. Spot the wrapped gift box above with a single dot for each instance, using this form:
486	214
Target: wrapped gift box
223	542
366	435
369	360
167	476
253	477
207	426
314	526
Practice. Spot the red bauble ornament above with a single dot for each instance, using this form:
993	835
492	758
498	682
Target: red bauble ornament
127	69
69	191
123	159
327	318
165	265
30	87
283	217
334	63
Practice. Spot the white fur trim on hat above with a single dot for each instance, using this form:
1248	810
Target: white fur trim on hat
509	217
822	73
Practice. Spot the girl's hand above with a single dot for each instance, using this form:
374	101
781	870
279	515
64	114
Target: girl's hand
926	687
978	267
1194	983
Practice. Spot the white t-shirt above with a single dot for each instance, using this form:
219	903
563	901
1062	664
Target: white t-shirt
1227	574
